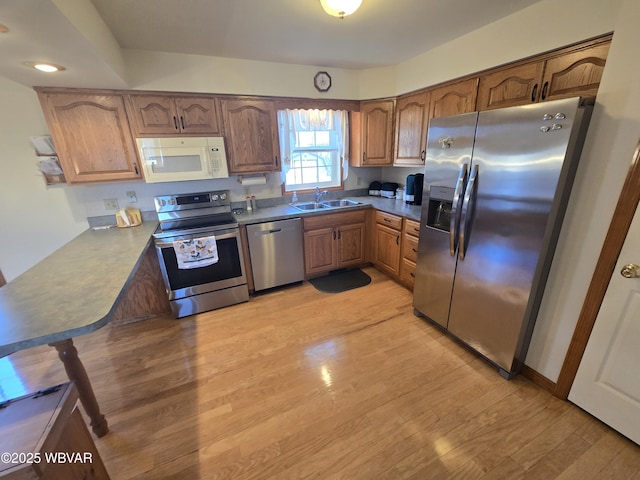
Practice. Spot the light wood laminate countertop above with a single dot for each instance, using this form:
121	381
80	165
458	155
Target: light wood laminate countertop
74	290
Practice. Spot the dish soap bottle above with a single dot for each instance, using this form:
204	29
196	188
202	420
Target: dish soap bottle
294	199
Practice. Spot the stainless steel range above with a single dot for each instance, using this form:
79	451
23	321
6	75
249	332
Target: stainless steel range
200	254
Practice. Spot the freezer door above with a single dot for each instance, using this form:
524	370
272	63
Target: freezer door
449	150
522	163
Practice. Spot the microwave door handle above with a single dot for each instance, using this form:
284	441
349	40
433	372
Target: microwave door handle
456	207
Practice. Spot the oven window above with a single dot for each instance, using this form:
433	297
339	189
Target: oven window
228	266
174	163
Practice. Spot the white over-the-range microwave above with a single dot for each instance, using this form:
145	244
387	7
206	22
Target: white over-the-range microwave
176	159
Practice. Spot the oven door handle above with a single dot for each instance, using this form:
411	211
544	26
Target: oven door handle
168	242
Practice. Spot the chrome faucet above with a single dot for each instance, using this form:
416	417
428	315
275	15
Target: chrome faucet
320	194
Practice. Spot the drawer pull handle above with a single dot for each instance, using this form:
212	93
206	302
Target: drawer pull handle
416	251
413	274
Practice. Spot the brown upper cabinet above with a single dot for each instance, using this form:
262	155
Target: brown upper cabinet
92	136
251	129
576	72
376	119
170	115
454	98
412	122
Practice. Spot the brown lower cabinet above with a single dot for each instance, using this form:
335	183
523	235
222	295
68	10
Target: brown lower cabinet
335	240
410	235
387	244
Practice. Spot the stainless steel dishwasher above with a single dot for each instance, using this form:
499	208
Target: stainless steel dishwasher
276	252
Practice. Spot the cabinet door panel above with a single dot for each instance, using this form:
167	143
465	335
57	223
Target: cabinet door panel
351	244
412	119
519	85
92	136
408	273
410	247
319	251
377	132
153	115
454	98
252	136
387	249
575	74
198	115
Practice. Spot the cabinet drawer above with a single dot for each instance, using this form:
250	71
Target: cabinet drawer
333	219
391	221
412	227
410	247
408	272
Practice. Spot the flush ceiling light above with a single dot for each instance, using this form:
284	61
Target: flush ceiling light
45	67
340	8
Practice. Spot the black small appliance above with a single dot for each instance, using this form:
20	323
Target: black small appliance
413	189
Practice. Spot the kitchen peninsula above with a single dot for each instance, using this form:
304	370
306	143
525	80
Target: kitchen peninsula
76	290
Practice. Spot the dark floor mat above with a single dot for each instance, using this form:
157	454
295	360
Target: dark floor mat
341	281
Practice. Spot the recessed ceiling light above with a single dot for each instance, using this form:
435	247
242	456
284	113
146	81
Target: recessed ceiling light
45	67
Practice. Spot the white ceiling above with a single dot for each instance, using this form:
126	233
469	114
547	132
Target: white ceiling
380	33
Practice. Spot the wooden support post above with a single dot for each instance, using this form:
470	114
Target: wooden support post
76	373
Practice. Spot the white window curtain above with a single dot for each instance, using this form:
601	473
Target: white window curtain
292	121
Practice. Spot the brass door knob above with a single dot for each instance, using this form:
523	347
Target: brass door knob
630	271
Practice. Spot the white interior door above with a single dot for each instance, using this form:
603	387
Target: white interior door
607	384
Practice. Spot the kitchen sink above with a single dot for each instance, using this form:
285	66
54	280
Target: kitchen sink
308	206
341	203
311	206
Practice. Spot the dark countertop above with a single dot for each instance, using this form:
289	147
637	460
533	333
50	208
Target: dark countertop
280	212
74	290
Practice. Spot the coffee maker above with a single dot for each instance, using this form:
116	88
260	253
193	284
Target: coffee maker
413	190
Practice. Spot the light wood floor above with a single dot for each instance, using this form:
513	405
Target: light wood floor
301	384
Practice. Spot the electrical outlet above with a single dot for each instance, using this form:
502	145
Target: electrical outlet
131	197
111	204
358	180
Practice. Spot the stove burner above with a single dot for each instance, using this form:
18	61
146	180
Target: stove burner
188	212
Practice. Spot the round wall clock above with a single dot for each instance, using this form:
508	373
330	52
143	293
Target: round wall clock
322	81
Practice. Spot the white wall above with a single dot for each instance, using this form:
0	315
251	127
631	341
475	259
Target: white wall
198	73
543	26
613	135
36	219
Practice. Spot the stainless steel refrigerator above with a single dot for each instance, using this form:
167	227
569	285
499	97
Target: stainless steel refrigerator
496	185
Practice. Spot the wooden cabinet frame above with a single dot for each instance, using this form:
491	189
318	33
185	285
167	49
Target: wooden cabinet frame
334	240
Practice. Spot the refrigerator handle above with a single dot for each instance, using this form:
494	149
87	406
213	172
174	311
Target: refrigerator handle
454	221
467	212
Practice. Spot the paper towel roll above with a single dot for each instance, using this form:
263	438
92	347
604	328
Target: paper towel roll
247	181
